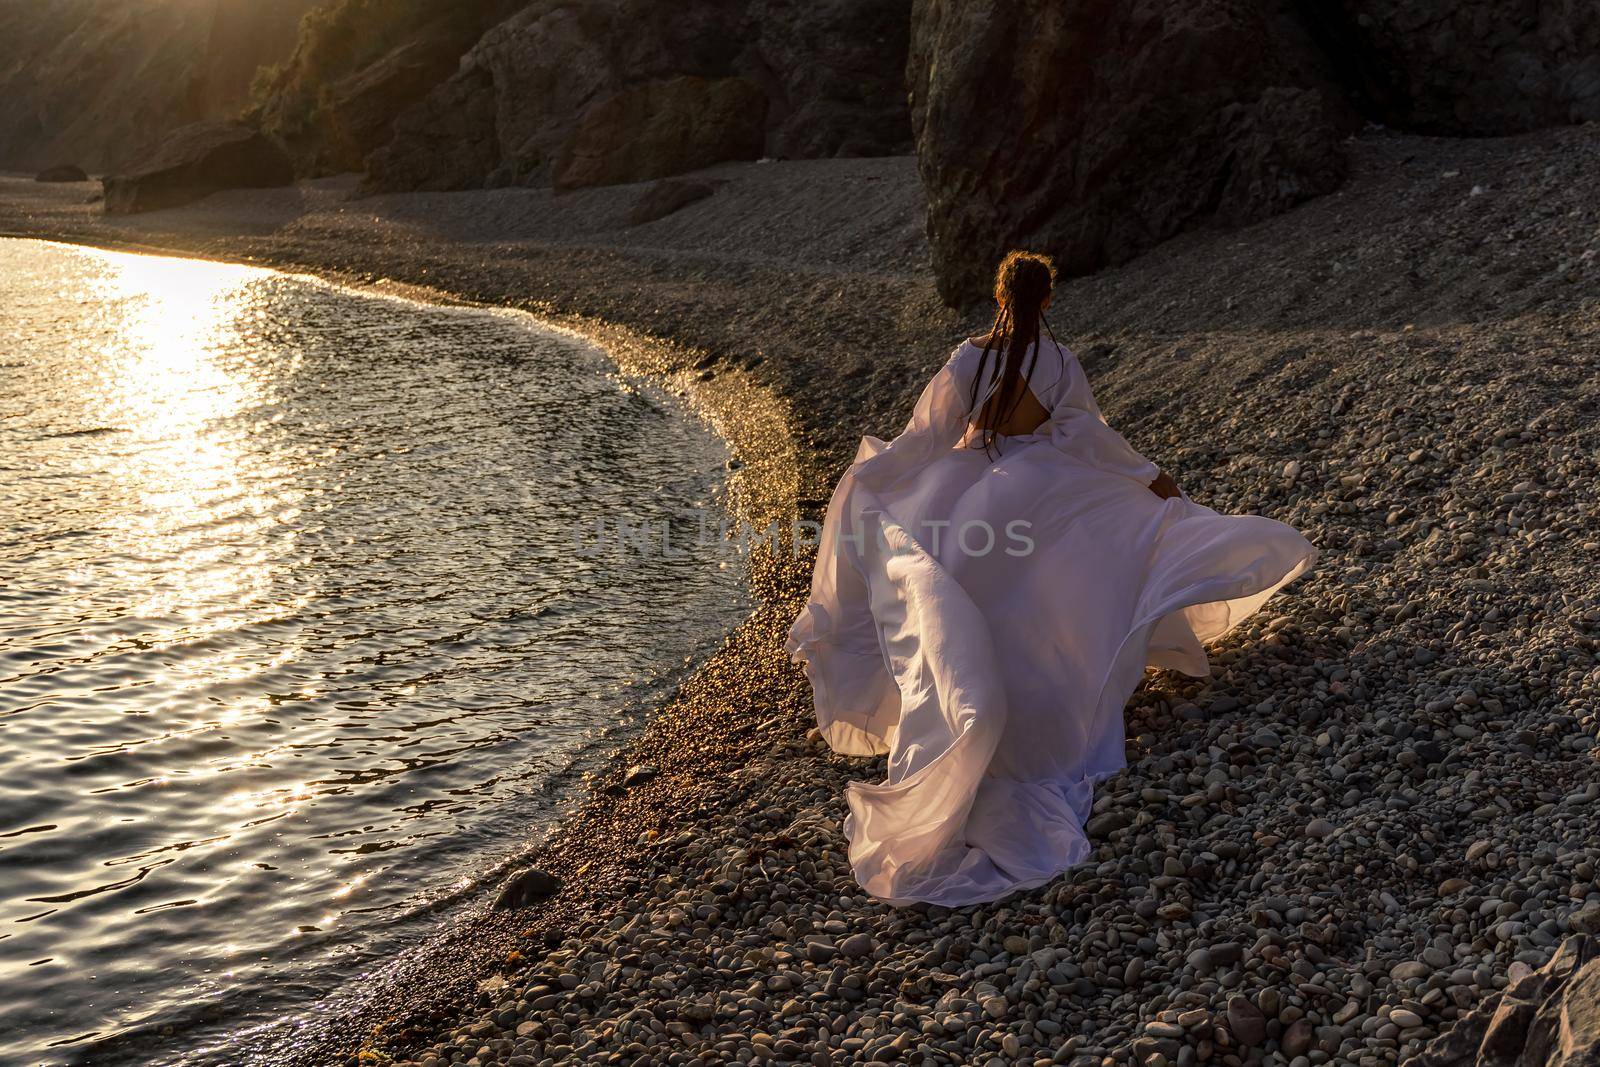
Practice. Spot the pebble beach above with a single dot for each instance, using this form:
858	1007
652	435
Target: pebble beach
1381	809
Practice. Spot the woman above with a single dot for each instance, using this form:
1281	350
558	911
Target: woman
989	588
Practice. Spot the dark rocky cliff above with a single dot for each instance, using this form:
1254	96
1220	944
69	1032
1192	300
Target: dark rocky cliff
94	82
1464	67
357	65
1095	129
565	82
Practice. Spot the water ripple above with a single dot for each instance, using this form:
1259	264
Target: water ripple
293	636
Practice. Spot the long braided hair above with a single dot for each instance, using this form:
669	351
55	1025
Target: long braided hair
1021	285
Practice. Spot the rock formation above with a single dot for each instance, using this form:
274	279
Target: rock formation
663	127
566	82
95	81
1547	1018
195	161
1465	66
1094	129
358	65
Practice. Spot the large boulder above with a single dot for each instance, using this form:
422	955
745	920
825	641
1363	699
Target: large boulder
1094	129
667	196
663	127
195	161
1466	66
65	172
550	84
1548	1018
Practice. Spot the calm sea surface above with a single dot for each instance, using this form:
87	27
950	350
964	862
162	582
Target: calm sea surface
294	641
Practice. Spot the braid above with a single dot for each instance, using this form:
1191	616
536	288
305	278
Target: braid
996	340
1021	286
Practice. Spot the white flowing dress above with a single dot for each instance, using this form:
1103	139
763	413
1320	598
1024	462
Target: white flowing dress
982	621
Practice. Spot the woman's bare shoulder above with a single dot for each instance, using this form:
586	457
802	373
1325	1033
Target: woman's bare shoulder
988	340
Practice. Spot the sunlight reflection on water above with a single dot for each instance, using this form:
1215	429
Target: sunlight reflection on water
291	635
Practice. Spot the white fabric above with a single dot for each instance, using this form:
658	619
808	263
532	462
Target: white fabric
995	682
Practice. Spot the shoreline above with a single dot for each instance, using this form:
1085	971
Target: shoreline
1233	860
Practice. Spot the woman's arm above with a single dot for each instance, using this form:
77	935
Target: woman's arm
1083	430
1164	487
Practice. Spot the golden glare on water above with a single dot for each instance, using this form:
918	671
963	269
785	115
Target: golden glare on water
291	637
169	374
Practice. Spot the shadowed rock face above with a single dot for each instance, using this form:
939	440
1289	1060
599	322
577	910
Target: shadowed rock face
1094	129
360	64
195	161
96	81
66	172
569	80
1548	1018
362	107
664	127
834	71
1465	66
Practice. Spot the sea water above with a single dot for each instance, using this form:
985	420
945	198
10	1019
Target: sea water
294	638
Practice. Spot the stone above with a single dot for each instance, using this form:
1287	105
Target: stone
857	945
820	950
363	106
193	162
93	83
331	105
1226	953
638	774
525	887
1296	1040
1318	828
450	140
1107	823
837	69
1245	1020
66	172
1410	969
662	198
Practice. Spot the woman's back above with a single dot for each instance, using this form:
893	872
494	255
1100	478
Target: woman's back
1027	406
